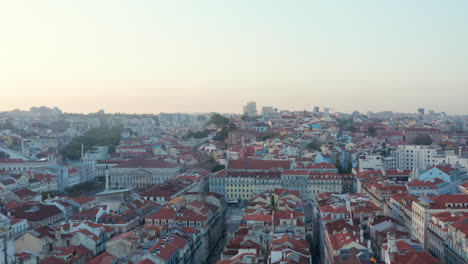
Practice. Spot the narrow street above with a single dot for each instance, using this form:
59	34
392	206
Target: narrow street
313	240
233	218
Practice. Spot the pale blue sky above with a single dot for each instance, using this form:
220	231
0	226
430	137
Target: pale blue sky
195	56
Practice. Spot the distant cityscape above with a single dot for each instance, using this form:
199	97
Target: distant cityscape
265	186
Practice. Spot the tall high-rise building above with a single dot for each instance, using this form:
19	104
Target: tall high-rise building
316	109
268	110
250	109
421	111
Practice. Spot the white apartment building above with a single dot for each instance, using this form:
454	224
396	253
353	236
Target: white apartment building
250	109
416	157
141	173
420	158
369	162
424	208
93	155
18	165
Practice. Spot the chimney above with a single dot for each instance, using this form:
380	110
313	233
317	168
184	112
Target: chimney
58	234
391	242
361	235
82	153
106	173
9	214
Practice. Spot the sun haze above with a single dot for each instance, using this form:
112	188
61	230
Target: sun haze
201	56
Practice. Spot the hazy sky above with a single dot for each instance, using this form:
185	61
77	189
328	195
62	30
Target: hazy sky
197	56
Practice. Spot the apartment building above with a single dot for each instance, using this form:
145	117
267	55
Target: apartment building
424	208
141	173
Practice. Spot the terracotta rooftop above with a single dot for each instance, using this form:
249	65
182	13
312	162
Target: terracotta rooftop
258	164
146	164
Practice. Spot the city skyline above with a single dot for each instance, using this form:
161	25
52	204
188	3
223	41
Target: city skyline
151	57
239	112
227	132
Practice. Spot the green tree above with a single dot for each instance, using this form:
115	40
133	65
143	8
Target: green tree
351	128
422	139
313	145
224	126
271	135
371	131
217	167
218	120
222	134
102	136
199	134
338	165
349	166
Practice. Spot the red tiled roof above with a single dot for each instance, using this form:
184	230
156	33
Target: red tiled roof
421	130
296	242
258	218
35	212
322	165
82	199
416	257
146	164
78	250
166	250
25	193
258	164
333	209
164	213
446	169
343	238
461	224
52	260
398	172
146	261
103	258
129	236
189	230
403	246
442	201
12	161
286	214
369	174
88	234
44	177
339	225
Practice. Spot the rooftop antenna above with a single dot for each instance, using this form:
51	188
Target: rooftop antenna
245	158
82	150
